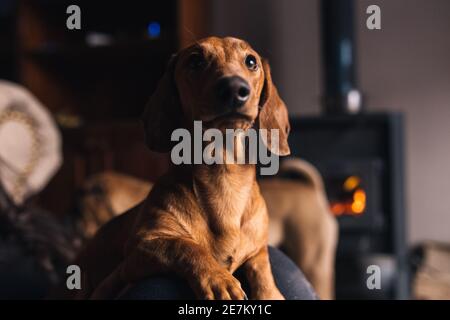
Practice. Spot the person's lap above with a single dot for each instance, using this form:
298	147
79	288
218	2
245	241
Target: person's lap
289	279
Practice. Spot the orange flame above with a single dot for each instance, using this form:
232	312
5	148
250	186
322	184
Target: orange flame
355	207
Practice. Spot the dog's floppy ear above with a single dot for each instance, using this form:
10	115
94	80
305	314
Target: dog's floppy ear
273	114
162	113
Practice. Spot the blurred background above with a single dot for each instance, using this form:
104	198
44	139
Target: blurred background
370	108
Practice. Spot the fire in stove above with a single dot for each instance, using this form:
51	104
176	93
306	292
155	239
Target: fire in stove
347	196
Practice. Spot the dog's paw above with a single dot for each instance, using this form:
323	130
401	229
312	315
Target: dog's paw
220	285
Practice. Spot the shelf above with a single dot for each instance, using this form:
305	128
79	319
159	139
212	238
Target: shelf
83	53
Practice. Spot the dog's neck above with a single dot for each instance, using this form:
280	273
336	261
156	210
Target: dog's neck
224	192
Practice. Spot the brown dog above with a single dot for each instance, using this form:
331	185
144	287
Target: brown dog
300	220
199	221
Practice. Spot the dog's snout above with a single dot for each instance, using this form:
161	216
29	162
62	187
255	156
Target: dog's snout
233	91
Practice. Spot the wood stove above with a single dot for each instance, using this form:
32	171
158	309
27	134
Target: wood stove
361	160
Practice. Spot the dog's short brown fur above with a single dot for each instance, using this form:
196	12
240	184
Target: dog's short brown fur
300	220
199	221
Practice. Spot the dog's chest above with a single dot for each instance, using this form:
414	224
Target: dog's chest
234	217
234	247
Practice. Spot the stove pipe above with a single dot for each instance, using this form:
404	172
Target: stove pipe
338	56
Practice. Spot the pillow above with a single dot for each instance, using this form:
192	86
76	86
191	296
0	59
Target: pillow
30	143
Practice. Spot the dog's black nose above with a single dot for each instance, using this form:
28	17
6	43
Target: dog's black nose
233	91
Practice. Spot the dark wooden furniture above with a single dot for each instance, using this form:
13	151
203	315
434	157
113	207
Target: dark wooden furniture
96	80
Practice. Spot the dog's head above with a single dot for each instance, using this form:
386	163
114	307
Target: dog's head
220	81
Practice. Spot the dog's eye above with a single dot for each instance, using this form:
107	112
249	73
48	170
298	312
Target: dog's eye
251	63
196	61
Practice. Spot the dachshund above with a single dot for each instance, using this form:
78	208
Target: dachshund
201	222
301	222
300	219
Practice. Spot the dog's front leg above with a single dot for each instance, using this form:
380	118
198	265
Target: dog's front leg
182	256
260	278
